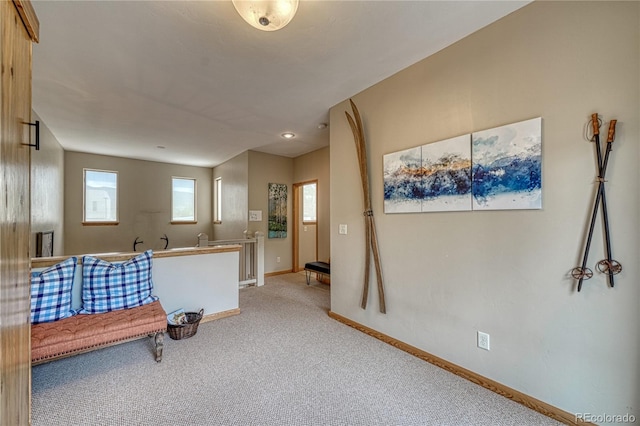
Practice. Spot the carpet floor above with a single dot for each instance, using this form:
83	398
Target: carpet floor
282	361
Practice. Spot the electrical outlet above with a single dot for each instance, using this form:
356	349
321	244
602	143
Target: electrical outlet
342	230
483	340
278	259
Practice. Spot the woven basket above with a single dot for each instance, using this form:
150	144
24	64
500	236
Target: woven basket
184	331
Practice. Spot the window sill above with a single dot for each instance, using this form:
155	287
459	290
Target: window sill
100	223
184	222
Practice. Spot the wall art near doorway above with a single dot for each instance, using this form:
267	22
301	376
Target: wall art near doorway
277	210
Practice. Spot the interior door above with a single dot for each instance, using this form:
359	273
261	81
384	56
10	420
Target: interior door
305	229
15	303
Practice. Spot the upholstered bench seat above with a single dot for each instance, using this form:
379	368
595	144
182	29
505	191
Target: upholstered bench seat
86	332
322	268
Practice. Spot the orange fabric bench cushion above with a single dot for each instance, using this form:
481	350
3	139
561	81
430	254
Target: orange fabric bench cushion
85	331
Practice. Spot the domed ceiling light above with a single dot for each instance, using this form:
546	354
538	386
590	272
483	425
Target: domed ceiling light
266	15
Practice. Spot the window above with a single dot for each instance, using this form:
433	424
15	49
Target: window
217	200
100	197
309	196
183	200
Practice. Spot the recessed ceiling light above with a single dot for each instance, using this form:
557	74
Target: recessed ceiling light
288	135
322	126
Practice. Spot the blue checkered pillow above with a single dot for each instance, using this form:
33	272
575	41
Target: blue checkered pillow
110	286
51	292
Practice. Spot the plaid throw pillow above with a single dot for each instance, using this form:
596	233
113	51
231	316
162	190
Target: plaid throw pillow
110	286
51	292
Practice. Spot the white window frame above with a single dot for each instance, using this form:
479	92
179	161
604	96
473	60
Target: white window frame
175	220
306	221
217	200
94	202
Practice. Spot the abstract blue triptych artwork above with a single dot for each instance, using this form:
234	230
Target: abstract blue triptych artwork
447	175
507	167
495	169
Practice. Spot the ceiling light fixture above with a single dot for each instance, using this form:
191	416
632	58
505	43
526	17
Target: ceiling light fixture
288	135
266	15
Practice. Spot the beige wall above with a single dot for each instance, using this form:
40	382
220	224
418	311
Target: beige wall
47	189
235	212
245	180
263	170
144	195
448	275
312	166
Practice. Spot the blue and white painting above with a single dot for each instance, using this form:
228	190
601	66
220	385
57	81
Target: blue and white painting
446	175
431	178
403	187
507	167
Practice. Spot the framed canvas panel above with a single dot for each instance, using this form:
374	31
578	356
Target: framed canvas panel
507	166
44	244
277	210
446	175
403	181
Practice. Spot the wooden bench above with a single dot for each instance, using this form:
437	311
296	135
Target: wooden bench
86	332
321	268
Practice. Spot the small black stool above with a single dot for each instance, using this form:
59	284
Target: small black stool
322	268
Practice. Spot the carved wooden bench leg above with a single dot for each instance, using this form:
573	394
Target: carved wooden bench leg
159	340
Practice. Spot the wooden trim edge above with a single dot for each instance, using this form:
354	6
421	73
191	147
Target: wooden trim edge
295	229
29	18
512	394
220	315
191	251
43	262
271	274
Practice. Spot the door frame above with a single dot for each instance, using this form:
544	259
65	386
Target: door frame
19	28
295	251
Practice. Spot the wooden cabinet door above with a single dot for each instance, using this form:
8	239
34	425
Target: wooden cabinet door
15	92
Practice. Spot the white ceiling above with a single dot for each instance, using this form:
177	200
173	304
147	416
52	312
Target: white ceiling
125	78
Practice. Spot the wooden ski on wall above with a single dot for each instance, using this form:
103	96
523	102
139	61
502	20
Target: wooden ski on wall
355	123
